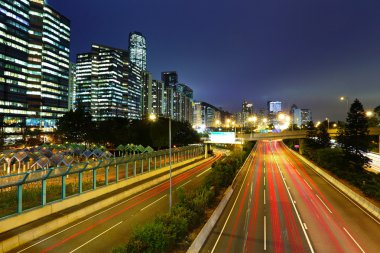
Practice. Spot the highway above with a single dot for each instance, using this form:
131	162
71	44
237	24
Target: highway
111	227
375	164
279	204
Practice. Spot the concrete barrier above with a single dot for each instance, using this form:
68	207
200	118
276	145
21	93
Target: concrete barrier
363	202
24	237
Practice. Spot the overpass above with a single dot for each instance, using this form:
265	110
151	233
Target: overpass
296	134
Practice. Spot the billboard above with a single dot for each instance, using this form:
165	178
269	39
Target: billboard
222	137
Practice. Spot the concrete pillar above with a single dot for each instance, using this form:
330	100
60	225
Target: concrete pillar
207	147
302	146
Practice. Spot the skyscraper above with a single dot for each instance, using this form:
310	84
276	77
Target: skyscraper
72	88
108	84
137	49
34	65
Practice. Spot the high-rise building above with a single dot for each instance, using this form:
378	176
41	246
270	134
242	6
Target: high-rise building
147	93
108	84
178	98
246	112
183	103
34	65
170	78
72	88
158	97
295	113
206	115
306	116
137	49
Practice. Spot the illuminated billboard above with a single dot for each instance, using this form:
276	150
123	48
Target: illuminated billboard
222	137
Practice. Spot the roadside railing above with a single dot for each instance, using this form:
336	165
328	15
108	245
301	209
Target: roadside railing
31	189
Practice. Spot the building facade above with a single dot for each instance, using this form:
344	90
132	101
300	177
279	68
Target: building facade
34	66
72	88
206	115
108	85
137	50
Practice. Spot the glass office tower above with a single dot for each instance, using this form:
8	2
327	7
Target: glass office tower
34	66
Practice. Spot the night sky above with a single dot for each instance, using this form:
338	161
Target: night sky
303	52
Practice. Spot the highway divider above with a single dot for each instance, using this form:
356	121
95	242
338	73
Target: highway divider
24	218
360	200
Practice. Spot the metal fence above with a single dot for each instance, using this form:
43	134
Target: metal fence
23	191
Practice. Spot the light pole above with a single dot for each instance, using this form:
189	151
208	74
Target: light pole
153	117
328	123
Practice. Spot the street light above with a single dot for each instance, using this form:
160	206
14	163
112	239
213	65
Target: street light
328	123
153	117
369	113
347	101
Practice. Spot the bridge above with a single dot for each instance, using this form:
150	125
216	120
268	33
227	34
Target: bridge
297	134
288	134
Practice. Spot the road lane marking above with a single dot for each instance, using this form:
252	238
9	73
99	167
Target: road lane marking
294	206
338	190
247	215
228	217
333	186
323	203
304	224
264	180
357	244
308	184
184	184
265	233
203	172
154	202
264	197
96	237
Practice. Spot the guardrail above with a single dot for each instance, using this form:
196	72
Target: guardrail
23	191
363	202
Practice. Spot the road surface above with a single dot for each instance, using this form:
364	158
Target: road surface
282	205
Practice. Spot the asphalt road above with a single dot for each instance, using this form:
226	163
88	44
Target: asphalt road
111	227
279	204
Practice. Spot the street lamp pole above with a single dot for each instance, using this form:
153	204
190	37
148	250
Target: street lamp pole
170	163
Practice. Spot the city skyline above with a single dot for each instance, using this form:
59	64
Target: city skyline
301	53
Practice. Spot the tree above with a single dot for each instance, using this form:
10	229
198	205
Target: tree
323	137
354	136
75	126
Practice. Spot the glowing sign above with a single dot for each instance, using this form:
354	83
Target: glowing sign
222	137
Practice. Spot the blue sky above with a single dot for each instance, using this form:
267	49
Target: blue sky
303	52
